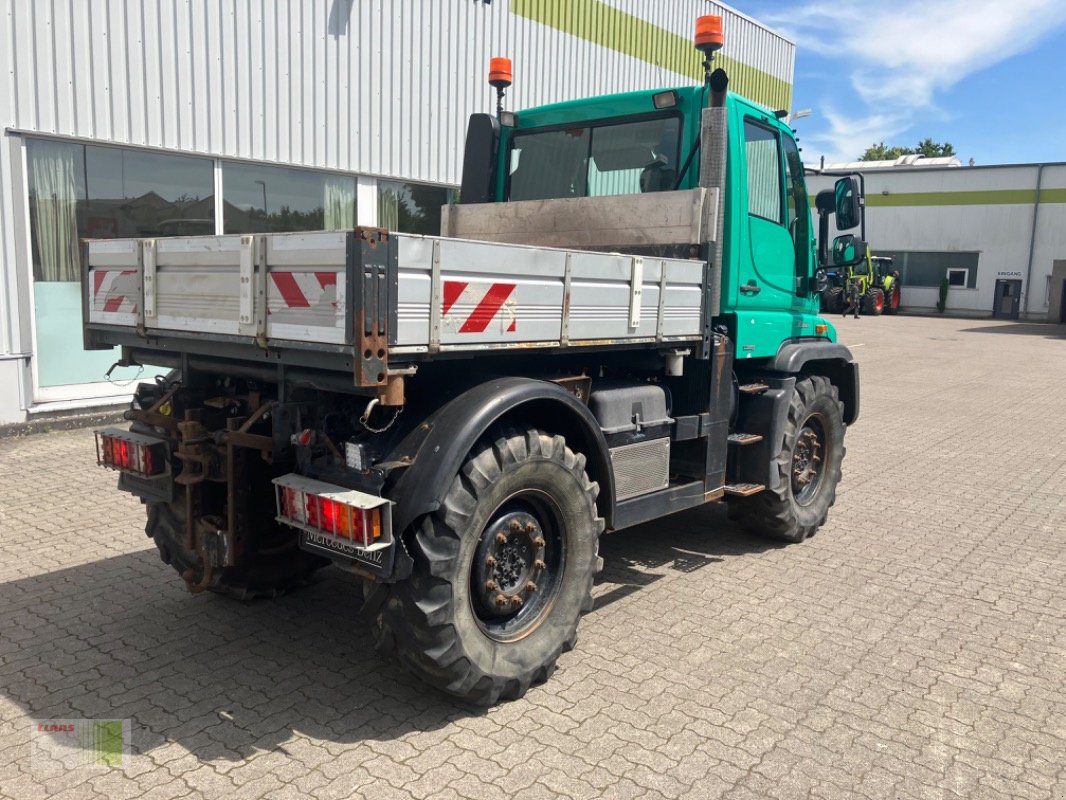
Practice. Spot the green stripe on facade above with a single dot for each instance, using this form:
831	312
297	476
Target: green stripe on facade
596	22
989	197
985	197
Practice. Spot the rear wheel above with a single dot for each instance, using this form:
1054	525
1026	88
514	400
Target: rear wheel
807	467
833	300
873	302
274	565
502	572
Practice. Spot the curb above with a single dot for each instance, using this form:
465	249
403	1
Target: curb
64	421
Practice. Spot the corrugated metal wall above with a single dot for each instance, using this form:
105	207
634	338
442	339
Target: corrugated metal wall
375	87
359	85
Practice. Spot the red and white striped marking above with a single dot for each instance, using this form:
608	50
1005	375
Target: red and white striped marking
474	306
305	289
115	291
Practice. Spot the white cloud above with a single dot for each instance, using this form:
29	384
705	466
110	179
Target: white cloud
898	56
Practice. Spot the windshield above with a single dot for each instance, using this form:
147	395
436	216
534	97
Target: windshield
595	160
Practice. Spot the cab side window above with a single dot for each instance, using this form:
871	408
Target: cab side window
763	155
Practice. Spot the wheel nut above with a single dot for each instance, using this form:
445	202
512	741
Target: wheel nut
539	541
516	601
538	565
501	600
490	562
490	585
501	538
516	526
530	527
531	587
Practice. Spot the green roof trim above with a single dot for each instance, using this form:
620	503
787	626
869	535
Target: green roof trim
596	22
977	197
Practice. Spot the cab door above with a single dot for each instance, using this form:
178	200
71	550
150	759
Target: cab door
767	275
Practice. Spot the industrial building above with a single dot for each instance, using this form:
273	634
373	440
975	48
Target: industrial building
996	234
225	116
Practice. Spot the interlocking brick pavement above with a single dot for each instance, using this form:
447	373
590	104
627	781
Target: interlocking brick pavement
915	648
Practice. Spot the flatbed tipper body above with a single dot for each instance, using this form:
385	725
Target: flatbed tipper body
618	322
309	291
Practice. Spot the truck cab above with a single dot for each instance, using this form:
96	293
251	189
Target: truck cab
650	141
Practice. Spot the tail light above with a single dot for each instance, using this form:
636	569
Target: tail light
129	452
362	519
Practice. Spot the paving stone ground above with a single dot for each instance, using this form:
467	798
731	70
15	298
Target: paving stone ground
915	648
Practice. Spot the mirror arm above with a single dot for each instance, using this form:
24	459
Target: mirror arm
688	163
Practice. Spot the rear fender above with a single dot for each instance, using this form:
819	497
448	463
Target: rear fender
437	448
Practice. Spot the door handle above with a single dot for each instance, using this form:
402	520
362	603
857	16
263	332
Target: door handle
750	288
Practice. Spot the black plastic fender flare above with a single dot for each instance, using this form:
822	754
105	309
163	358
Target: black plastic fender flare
437	448
823	357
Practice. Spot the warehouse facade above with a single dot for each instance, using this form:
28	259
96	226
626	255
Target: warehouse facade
156	118
996	234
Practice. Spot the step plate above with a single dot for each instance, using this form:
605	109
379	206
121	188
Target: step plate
744	438
743	489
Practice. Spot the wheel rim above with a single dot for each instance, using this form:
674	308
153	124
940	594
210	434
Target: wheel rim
518	567
879	301
808	460
895	298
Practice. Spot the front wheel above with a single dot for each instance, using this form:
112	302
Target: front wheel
502	571
807	467
873	302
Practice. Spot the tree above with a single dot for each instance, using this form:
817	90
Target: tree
930	149
926	147
880	152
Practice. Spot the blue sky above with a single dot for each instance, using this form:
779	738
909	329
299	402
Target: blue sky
989	77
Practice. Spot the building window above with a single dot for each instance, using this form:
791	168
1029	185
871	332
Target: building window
81	191
957	276
259	199
411	207
929	268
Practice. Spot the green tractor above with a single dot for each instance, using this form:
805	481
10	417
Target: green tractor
887	280
878	287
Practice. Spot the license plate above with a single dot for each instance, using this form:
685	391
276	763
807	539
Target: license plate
332	545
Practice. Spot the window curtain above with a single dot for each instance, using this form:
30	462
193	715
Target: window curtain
388	207
55	221
338	202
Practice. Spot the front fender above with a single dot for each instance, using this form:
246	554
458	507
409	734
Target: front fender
822	357
437	448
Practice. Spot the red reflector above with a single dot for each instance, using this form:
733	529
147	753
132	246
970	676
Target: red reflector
311	510
141	458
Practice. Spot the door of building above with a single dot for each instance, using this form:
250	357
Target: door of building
1062	304
1008	297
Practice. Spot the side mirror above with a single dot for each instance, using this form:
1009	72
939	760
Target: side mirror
821	281
847	250
847	202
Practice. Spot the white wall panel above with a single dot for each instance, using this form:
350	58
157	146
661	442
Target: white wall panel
368	86
999	229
